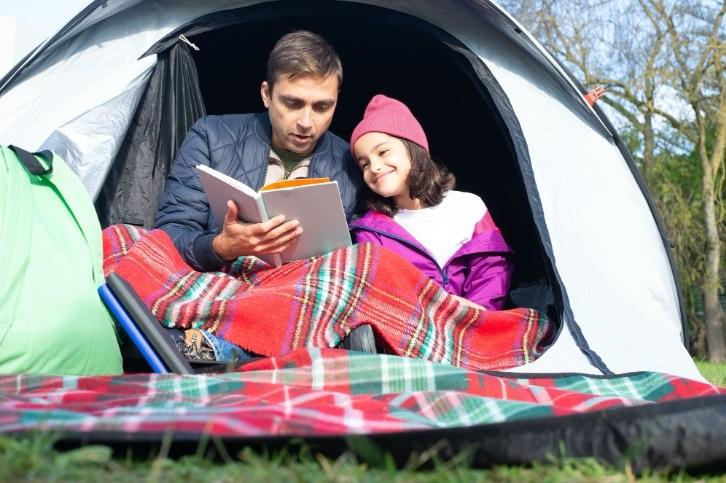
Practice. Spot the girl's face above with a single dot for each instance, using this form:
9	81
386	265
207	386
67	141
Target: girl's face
385	163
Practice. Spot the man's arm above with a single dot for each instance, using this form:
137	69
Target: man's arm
184	211
351	197
184	214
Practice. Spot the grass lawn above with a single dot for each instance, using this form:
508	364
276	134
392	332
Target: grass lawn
713	371
32	458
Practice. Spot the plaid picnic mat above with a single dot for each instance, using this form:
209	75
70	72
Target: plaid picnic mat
317	301
314	392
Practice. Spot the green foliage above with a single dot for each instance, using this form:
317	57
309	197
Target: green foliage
675	182
714	372
633	140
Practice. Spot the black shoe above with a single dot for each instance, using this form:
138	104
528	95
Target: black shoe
360	339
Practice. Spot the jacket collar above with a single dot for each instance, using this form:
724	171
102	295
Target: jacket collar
382	222
486	236
263	132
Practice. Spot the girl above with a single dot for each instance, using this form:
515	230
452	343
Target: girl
413	210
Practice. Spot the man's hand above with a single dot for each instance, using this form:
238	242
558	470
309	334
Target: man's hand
239	239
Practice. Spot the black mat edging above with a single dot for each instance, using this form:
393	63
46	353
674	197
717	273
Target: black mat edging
687	434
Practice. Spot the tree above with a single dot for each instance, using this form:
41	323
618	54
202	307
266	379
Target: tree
698	44
662	62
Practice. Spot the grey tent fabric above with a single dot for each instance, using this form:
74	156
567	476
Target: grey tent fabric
548	166
171	104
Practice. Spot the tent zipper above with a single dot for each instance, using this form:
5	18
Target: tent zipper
184	39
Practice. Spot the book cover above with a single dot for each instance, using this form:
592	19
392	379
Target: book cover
314	202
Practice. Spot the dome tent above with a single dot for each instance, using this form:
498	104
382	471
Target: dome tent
116	89
499	111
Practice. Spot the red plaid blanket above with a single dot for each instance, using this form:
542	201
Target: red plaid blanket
316	302
318	392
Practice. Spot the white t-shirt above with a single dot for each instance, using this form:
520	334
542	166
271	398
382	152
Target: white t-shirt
444	228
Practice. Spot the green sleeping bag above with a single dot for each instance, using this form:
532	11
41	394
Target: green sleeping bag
52	320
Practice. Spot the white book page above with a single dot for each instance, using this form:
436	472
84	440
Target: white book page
319	209
220	188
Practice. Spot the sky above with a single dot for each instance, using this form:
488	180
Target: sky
26	23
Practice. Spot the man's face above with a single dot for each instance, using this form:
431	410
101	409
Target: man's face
301	110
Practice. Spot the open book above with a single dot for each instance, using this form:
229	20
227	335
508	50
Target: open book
314	202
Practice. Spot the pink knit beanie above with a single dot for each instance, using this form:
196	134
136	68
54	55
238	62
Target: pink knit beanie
390	116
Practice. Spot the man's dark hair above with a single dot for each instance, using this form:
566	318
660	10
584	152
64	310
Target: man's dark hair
303	53
427	181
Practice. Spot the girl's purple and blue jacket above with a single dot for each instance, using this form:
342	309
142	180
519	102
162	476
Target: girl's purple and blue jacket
480	271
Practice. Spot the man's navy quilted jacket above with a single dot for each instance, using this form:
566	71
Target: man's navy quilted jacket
237	145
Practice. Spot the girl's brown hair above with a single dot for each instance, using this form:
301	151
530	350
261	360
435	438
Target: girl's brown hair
427	181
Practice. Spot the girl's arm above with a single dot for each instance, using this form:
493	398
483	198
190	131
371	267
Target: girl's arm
468	302
363	236
490	275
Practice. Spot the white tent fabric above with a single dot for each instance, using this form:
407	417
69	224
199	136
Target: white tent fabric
94	138
606	246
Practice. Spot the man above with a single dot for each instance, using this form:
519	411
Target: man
290	140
